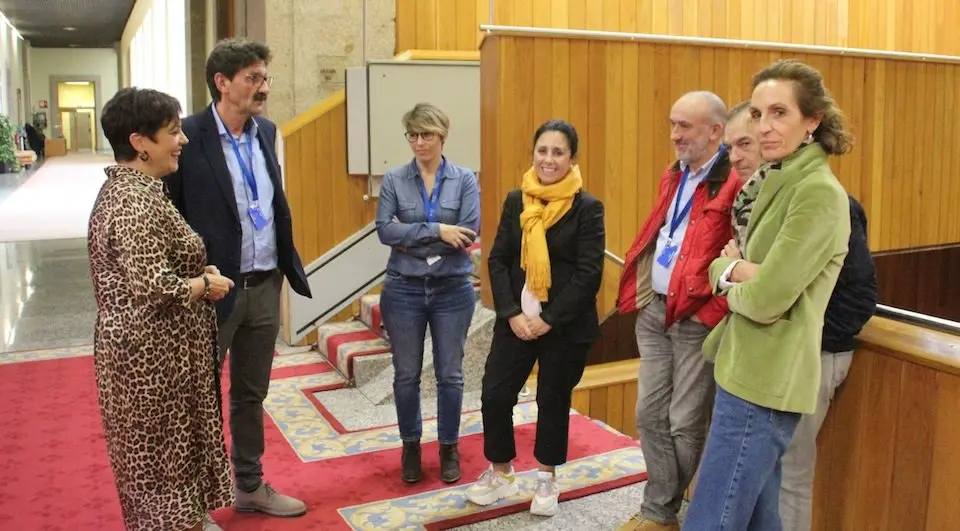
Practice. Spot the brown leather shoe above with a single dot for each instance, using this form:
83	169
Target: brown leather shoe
268	501
638	522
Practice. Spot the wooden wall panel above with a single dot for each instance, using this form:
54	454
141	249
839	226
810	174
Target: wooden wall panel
901	25
888	444
921	280
608	393
899	168
326	202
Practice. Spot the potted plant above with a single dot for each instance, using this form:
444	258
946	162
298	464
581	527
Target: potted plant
8	149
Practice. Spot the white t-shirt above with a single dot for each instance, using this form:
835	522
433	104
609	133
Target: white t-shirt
528	303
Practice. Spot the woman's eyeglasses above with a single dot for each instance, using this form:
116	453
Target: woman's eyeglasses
412	137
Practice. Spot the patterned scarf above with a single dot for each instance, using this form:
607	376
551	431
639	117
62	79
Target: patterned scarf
747	196
543	205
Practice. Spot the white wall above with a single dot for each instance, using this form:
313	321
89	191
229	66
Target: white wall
12	76
58	62
153	49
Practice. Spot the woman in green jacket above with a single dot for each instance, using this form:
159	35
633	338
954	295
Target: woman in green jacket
791	223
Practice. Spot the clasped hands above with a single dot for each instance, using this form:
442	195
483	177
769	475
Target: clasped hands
528	328
219	284
454	235
744	270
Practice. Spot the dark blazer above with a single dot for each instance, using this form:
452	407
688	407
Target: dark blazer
854	299
202	191
576	244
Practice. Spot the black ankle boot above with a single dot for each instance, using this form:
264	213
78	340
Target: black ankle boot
410	462
449	463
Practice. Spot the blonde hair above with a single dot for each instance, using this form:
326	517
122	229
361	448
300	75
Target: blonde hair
426	118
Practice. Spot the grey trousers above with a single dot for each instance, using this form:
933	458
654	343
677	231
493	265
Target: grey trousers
250	332
674	398
800	461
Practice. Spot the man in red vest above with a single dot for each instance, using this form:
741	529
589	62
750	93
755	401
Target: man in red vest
665	279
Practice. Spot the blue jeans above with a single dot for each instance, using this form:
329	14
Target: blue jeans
739	483
408	304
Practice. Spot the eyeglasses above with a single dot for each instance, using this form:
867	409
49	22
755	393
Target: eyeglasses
412	137
259	80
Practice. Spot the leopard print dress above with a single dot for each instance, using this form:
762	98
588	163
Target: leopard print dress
154	357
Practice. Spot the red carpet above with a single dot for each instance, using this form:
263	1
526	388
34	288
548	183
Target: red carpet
55	473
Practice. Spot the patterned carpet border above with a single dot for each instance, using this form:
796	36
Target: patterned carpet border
427	509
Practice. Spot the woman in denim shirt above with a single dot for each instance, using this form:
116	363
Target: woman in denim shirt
428	212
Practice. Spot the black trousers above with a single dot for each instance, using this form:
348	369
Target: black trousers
508	366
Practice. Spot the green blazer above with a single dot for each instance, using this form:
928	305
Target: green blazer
767	349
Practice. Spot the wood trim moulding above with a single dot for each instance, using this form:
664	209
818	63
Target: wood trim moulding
563	33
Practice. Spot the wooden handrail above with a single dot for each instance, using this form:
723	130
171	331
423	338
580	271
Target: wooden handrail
913	343
310	115
564	33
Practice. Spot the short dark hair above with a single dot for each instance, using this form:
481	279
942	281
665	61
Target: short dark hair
560	126
230	56
135	110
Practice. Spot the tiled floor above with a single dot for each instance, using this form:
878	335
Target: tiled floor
46	295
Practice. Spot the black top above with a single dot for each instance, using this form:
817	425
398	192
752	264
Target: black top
576	245
854	299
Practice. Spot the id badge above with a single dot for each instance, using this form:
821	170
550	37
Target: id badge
666	257
259	222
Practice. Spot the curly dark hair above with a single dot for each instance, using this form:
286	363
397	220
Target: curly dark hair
135	110
814	101
230	56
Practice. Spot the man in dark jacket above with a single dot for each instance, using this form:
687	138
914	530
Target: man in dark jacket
229	188
853	302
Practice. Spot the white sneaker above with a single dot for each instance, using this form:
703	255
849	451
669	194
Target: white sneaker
546	499
493	486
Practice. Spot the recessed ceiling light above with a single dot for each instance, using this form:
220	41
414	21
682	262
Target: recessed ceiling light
74	45
69	28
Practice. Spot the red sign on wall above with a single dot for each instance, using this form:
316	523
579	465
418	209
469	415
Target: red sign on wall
42	104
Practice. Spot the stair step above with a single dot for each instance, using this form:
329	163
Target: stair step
342	343
370	314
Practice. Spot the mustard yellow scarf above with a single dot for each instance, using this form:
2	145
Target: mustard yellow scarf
543	205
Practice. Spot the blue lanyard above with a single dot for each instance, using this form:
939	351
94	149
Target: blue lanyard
430	203
678	214
246	170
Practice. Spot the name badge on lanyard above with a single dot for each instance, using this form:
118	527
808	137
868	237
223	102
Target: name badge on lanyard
670	250
430	202
253	210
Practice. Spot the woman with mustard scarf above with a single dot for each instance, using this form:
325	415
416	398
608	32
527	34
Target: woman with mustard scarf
545	268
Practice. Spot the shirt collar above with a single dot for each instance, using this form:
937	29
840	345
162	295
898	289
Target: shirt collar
414	171
250	127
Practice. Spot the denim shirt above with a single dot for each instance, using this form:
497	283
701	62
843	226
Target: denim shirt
401	196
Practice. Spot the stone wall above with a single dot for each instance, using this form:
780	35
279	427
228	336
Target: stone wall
314	42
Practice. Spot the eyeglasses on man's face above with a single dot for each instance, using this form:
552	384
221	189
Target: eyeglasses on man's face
259	80
427	136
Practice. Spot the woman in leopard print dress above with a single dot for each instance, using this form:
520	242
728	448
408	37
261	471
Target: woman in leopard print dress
155	340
